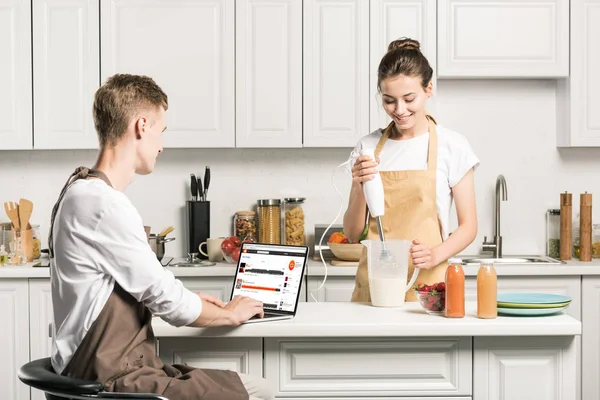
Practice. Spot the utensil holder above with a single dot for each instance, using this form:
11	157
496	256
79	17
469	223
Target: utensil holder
198	213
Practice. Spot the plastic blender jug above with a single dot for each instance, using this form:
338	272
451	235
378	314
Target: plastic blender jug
388	272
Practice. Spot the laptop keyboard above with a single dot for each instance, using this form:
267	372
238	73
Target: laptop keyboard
270	315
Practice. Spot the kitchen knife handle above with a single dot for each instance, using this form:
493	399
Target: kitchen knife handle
199	188
193	186
206	180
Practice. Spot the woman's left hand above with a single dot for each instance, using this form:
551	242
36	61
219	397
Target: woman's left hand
422	255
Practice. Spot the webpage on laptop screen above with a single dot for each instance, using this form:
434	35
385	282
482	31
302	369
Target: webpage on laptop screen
270	274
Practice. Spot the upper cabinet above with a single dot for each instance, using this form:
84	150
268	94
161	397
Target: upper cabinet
66	73
187	47
336	72
15	75
511	38
391	20
578	99
268	61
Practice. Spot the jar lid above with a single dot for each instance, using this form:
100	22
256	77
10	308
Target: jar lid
554	211
295	199
246	213
269	202
454	261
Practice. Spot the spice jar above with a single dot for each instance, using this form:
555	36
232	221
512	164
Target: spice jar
553	233
596	241
36	242
269	221
244	225
294	221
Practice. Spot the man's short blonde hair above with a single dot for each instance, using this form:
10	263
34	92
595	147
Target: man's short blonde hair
120	99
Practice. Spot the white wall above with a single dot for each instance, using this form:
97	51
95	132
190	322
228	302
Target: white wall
510	124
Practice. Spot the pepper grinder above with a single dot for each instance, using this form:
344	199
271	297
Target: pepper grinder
585	225
566	211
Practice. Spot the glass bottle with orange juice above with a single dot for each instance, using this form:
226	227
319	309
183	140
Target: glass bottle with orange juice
455	289
487	289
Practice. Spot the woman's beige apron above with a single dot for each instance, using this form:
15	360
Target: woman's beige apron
119	349
410	213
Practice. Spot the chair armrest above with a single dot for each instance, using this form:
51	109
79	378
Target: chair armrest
39	374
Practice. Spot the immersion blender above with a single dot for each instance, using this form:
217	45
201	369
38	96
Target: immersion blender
374	194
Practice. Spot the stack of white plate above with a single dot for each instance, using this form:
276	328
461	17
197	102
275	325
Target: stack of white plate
529	304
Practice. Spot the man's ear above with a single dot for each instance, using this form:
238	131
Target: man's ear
140	127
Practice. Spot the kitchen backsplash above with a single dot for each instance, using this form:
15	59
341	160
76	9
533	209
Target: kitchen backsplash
511	125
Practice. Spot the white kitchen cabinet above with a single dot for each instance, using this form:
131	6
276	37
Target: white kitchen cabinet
590	343
337	367
15	75
523	368
336	288
503	39
14	337
187	47
219	286
391	20
336	72
40	320
243	355
66	72
564	285
268	73
578	98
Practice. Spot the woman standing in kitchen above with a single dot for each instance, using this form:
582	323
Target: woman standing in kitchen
424	167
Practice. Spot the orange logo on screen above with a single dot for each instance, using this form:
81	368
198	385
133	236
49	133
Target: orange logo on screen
292	265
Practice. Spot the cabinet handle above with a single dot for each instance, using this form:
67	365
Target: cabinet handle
50	330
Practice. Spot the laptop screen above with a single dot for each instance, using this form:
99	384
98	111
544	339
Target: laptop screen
271	274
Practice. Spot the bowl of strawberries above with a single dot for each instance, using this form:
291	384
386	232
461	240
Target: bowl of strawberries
432	297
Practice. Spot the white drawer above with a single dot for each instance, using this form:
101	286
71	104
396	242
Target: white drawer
369	367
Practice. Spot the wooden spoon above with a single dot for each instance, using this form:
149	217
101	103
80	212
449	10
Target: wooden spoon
12	212
25	210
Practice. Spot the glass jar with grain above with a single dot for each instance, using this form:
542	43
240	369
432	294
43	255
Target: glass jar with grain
294	221
269	221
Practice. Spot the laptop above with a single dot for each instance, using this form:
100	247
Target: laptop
272	274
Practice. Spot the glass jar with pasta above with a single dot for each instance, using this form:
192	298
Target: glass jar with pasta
294	221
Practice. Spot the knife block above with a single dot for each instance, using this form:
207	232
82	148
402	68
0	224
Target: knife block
198	216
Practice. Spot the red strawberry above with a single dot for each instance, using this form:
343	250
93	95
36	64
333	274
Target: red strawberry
441	287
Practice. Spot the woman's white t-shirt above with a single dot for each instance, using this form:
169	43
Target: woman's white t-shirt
455	159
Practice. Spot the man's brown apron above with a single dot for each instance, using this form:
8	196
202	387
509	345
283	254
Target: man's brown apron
410	213
119	349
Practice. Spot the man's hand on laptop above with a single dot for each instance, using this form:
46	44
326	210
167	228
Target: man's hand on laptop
211	299
243	308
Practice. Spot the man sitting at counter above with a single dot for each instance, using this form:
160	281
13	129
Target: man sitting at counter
106	281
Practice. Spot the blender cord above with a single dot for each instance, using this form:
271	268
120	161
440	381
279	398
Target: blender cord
353	156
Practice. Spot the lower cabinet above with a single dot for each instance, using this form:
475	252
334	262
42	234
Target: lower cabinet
369	367
336	288
524	368
219	286
590	338
40	323
234	354
14	351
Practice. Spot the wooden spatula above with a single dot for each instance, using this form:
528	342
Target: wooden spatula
12	212
25	210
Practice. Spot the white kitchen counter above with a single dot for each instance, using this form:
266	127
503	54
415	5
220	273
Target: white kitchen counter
315	268
338	319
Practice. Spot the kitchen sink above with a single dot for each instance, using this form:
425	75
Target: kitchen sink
513	260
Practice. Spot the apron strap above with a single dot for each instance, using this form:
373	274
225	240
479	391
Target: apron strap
79	173
433	147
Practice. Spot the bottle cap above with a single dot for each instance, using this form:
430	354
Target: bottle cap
454	261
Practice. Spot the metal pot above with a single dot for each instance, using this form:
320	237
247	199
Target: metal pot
157	244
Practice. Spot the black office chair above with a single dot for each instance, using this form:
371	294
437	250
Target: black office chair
39	375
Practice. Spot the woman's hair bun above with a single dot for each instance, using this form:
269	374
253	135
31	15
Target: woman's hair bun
404	43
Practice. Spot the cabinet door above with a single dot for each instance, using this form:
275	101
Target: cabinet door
336	72
590	338
15	75
578	98
235	354
66	49
14	337
391	20
336	288
523	368
187	47
511	38
268	73
564	285
217	286
40	320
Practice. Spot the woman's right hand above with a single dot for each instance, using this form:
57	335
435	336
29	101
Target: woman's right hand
364	169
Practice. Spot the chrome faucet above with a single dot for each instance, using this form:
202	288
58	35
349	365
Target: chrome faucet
496	245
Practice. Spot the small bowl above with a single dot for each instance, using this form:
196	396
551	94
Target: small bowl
434	304
346	251
228	259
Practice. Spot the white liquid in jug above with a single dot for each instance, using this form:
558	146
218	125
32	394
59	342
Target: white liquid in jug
387	292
